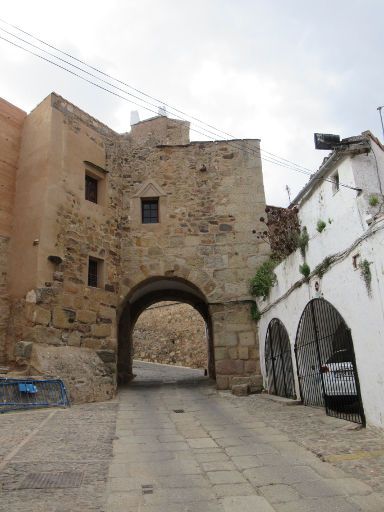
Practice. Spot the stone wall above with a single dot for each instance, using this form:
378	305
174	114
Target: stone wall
11	124
171	333
211	198
161	130
53	308
4	299
236	346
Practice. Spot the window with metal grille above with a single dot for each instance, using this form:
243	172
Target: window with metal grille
91	188
150	211
93	272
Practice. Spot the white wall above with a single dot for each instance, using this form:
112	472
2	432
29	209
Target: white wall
339	210
345	289
342	285
368	170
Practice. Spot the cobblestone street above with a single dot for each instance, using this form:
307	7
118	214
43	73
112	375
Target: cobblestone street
172	443
78	439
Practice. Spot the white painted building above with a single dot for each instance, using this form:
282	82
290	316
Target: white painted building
353	234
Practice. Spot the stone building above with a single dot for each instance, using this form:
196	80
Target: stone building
96	226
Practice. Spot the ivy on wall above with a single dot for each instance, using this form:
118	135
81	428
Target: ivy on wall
255	312
322	267
264	279
365	272
302	241
373	200
304	270
321	225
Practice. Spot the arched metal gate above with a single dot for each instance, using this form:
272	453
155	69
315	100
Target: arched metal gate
326	362
278	360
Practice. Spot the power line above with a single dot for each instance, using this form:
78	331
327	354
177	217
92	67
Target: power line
230	143
281	161
207	133
136	90
274	159
119	95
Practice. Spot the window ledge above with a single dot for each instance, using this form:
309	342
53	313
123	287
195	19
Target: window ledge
95	166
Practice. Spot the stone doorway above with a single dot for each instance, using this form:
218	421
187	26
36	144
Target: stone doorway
149	292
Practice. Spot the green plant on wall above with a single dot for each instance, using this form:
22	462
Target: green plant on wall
264	279
302	241
255	313
365	272
322	267
373	200
321	225
304	270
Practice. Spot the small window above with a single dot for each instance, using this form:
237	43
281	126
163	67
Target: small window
91	185
335	182
150	211
95	272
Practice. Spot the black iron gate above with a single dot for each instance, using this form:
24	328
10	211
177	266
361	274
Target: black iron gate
326	362
278	360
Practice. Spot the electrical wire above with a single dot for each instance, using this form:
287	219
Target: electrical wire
120	96
136	90
207	133
274	159
230	143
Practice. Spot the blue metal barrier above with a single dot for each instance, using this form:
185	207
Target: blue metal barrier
31	393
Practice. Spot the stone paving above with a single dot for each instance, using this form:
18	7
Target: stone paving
185	447
78	439
357	451
180	446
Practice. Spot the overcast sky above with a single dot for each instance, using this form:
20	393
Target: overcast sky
278	70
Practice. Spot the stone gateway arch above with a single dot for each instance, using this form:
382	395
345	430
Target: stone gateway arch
149	292
102	225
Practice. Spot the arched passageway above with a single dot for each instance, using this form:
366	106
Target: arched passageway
326	363
171	333
147	293
278	360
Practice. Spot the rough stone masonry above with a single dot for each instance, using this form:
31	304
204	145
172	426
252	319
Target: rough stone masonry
171	333
77	271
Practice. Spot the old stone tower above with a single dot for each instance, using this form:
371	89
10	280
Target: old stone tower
96	226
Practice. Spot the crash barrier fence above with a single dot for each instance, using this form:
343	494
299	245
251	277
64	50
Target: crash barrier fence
31	393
